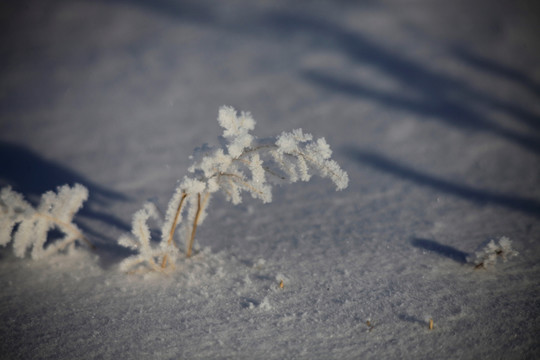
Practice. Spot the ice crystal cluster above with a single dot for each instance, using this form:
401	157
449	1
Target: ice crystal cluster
487	255
55	210
243	163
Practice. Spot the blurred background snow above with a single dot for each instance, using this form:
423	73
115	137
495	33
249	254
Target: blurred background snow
431	106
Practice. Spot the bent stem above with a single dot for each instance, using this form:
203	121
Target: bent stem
75	233
196	221
173	228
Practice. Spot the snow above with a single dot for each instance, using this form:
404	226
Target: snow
432	108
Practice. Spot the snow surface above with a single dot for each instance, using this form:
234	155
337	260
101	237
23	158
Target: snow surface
431	106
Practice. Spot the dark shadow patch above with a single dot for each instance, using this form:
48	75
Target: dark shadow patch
249	303
488	65
453	112
412	319
110	254
436	95
440	249
264	277
191	11
32	175
479	196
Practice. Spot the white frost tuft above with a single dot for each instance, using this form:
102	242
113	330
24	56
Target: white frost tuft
487	255
55	210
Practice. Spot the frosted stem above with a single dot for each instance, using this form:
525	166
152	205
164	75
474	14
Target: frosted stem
173	227
76	234
242	182
196	221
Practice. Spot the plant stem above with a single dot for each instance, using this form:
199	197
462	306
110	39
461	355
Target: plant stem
173	227
76	234
194	228
200	207
241	182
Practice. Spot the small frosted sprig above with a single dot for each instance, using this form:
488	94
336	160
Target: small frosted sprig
243	163
55	210
139	239
488	254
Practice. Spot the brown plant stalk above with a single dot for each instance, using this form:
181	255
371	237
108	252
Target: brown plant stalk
173	227
200	207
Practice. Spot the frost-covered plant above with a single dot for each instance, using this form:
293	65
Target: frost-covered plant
141	240
55	210
243	163
487	255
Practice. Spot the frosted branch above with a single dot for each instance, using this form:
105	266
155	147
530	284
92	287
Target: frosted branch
241	165
55	210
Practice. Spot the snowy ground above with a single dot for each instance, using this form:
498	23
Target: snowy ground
433	108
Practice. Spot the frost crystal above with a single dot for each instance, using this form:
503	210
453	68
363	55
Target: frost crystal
487	255
55	210
243	164
139	239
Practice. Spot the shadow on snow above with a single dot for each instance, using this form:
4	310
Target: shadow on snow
437	96
479	196
32	175
443	250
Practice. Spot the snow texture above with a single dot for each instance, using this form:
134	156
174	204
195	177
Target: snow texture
431	106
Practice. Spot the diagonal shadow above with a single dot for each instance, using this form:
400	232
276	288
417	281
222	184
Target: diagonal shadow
503	71
451	112
443	250
191	11
479	196
441	97
32	175
411	319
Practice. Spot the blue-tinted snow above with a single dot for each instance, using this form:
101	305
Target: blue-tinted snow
431	106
